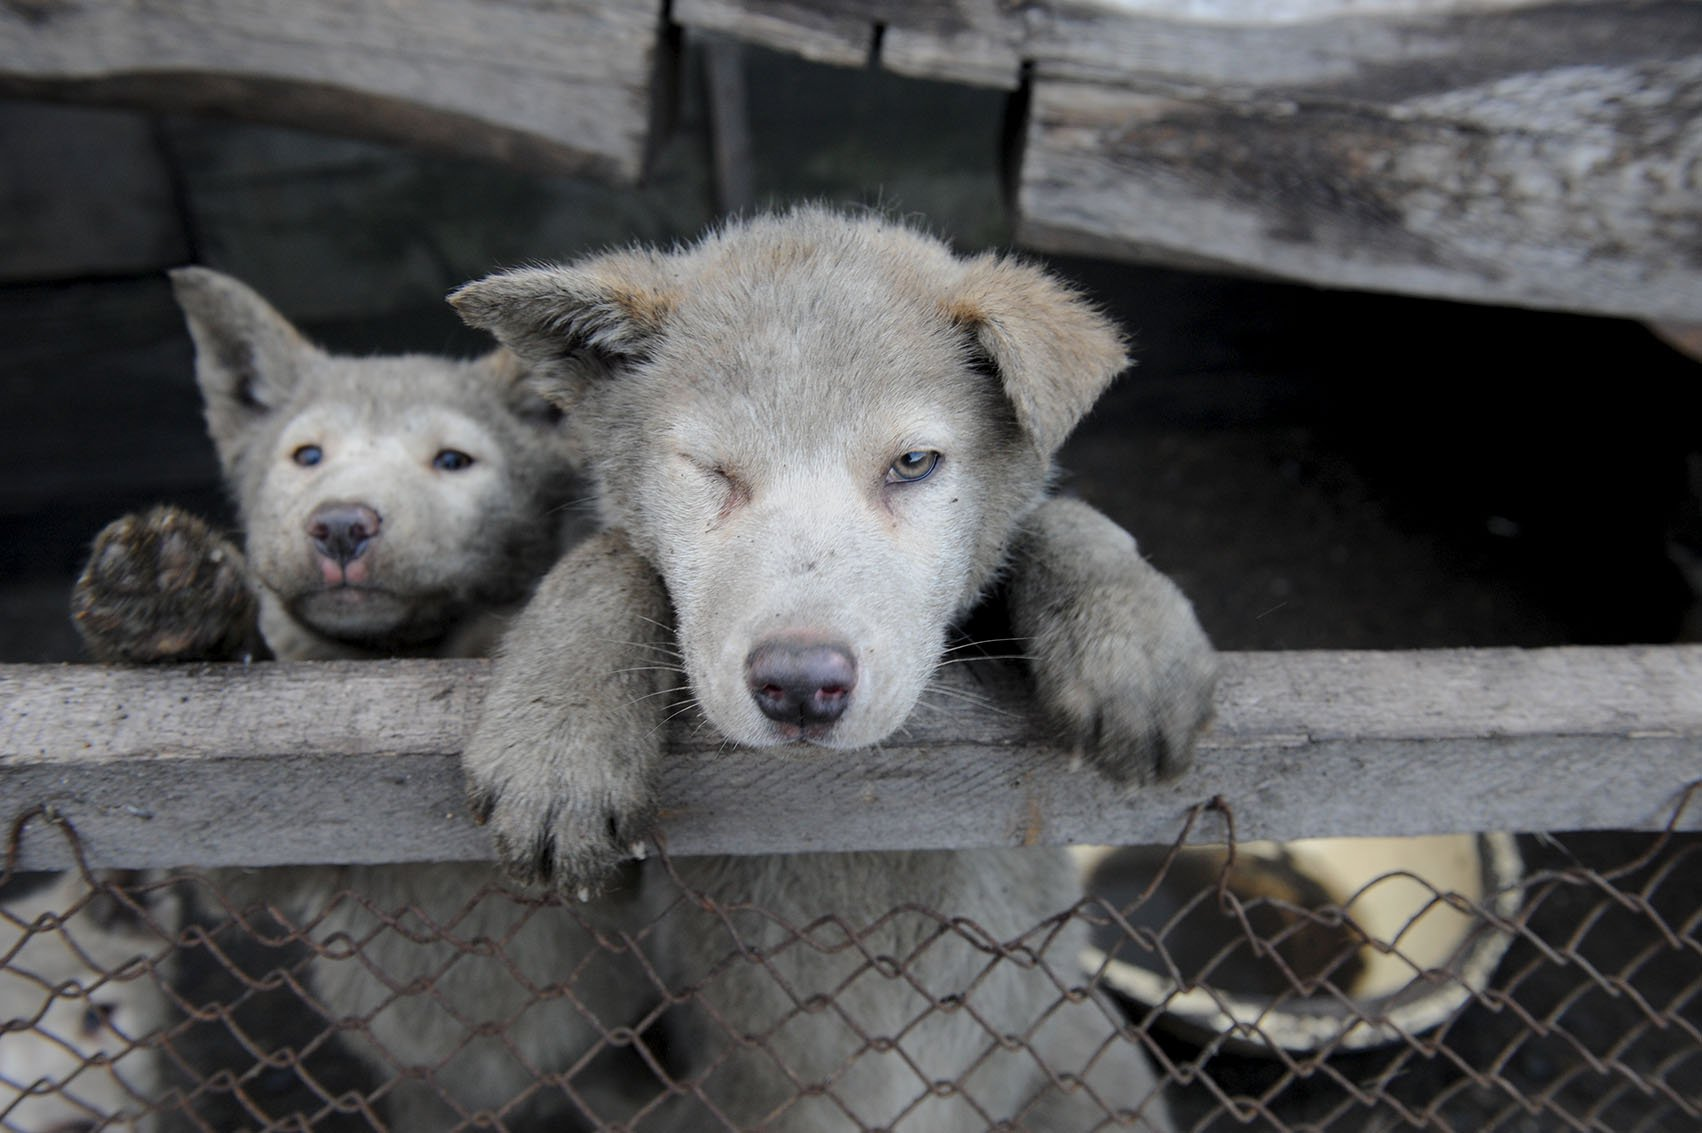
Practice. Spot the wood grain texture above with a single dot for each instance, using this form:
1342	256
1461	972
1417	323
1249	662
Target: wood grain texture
1523	152
818	32
1542	155
964	41
296	763
564	86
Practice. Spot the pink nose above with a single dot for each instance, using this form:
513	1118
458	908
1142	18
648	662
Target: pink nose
343	532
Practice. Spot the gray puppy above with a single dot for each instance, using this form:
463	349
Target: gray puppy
817	441
391	506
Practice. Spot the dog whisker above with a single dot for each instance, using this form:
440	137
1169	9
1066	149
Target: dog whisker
956	694
984	703
658	692
658	624
938	665
583	504
657	646
649	669
678	708
983	642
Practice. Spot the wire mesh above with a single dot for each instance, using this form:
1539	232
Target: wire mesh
1554	983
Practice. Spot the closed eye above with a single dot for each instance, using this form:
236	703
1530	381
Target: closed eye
735	493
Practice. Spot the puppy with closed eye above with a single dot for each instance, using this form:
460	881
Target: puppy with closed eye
817	442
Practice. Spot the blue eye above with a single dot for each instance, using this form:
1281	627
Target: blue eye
913	466
308	455
451	460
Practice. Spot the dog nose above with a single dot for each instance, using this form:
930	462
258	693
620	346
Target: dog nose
801	682
342	532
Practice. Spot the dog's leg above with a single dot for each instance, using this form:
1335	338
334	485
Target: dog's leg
1120	664
163	586
562	764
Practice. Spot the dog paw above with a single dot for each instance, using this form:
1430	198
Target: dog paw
163	586
564	810
1130	697
561	767
1122	670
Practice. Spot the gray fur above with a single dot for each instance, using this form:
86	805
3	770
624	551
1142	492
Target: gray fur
456	551
743	405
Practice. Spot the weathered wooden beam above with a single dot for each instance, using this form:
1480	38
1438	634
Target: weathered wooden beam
1544	155
964	41
206	765
811	30
1541	153
564	86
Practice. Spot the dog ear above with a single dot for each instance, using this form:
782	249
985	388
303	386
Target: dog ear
1052	349
514	381
568	324
248	357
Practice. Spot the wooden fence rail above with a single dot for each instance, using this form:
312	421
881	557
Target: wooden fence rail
355	762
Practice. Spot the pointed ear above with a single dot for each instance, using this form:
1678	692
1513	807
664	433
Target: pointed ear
563	321
1051	348
248	357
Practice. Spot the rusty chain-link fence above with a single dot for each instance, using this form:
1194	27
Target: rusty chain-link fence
1462	984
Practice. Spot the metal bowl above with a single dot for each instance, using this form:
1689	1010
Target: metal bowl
1333	943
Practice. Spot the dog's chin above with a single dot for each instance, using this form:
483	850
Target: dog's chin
856	729
354	612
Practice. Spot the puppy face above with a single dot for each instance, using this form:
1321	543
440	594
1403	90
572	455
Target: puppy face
75	1000
822	431
373	518
382	498
821	499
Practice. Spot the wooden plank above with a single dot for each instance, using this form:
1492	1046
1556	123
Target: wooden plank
564	86
978	57
1538	155
1515	152
814	31
964	41
207	765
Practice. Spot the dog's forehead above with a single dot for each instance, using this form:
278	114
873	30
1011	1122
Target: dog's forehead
840	281
841	343
378	389
810	319
821	382
392	398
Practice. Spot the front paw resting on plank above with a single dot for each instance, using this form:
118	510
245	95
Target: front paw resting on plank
563	762
1121	666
